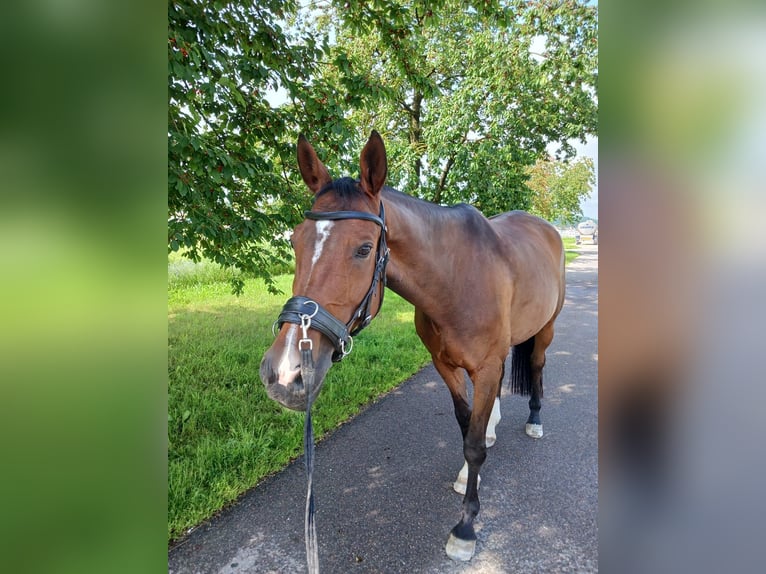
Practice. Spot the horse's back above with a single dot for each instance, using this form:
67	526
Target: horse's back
522	224
529	236
534	252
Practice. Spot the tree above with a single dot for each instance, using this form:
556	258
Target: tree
558	187
468	97
232	185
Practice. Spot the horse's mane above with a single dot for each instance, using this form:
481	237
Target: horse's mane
432	211
345	189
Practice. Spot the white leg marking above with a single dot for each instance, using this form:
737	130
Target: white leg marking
289	358
462	480
494	418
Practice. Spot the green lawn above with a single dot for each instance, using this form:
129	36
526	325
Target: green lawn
570	249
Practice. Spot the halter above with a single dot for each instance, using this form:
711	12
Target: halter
302	311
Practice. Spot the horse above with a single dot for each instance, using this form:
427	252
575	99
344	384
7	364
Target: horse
482	288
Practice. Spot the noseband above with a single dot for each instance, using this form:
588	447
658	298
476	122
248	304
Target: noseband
299	310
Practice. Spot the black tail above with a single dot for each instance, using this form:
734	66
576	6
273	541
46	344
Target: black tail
521	367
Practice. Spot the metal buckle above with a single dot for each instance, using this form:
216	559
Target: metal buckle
350	347
305	325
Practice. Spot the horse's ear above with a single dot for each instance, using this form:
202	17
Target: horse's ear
373	165
313	171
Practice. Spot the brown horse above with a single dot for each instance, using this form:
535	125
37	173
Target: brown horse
480	288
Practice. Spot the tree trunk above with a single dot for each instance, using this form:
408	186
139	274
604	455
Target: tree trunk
416	133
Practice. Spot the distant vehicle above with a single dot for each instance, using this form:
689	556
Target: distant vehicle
587	231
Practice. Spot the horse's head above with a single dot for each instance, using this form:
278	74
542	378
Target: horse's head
340	257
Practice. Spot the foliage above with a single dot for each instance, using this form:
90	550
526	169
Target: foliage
465	97
231	180
558	188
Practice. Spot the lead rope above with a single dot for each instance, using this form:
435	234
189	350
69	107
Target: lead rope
305	346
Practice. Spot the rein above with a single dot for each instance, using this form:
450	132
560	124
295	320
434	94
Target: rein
307	375
341	334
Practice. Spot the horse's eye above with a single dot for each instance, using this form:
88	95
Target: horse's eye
364	251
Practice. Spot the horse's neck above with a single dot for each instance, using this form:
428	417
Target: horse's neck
417	261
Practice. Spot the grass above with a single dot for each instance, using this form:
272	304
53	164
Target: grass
224	434
570	249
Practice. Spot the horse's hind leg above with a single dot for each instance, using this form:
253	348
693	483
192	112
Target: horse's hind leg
494	417
534	426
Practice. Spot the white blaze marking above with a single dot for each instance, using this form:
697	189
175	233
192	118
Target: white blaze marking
285	369
323	232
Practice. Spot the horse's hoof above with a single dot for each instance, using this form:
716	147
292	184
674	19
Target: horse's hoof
461	482
535	431
459	549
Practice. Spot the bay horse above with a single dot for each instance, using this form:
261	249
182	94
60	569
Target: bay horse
480	287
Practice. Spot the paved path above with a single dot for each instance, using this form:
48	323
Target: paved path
383	481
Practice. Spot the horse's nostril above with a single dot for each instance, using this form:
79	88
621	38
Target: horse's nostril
268	375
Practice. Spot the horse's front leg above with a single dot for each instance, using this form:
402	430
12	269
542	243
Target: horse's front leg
461	543
462	478
494	418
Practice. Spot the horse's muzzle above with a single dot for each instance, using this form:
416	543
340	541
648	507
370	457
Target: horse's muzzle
290	393
293	398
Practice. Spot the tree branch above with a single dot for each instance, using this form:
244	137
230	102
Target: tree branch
443	179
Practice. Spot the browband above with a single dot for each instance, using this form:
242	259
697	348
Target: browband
335	215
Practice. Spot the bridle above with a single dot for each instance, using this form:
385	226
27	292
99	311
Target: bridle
306	312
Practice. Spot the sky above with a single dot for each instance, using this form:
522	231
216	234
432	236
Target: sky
589	205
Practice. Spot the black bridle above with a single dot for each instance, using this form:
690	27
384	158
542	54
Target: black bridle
297	308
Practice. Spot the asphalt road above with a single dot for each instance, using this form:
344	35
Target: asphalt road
383	482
